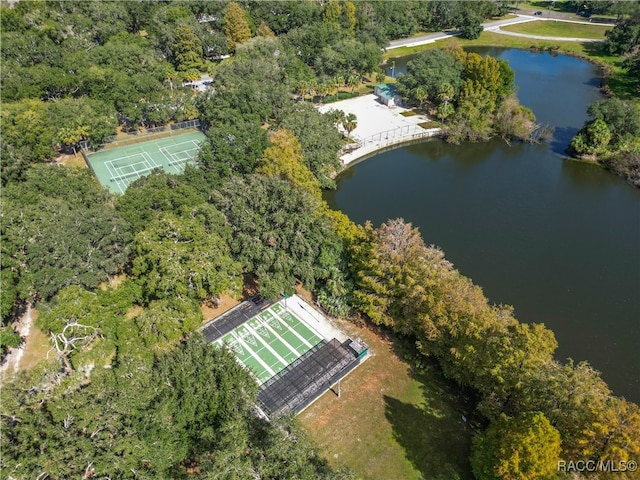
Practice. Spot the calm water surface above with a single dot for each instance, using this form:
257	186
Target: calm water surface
559	240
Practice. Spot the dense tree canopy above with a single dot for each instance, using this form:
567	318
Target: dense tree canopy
236	26
277	232
232	148
319	139
130	389
283	159
431	70
612	137
625	36
473	94
60	229
185	256
187	417
150	197
524	448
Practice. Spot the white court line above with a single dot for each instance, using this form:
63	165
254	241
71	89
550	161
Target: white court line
265	324
143	162
260	361
171	155
189	152
303	314
266	345
113	176
176	144
171	161
168	159
304	340
128	157
196	146
151	161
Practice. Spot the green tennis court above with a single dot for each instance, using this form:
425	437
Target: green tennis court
271	341
116	168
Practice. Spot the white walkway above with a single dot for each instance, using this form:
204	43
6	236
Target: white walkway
313	318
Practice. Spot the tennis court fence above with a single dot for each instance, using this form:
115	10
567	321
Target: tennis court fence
139	136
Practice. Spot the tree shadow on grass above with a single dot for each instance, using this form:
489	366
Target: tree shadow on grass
433	434
436	446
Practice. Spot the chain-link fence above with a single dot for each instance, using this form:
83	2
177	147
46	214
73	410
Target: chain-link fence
139	136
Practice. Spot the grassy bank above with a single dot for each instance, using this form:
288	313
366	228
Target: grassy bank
492	39
392	420
550	28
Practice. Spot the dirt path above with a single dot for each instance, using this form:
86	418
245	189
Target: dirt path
12	360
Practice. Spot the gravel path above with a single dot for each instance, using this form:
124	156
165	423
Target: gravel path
12	360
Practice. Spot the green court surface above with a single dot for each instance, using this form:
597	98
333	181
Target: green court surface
116	168
271	341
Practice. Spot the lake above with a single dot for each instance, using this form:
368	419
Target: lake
557	239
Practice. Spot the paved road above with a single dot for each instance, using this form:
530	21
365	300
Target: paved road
432	37
494	26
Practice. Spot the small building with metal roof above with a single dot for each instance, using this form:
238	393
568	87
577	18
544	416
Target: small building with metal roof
387	94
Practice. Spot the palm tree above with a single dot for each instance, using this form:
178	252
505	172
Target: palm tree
169	74
338	81
324	89
312	86
72	136
338	117
445	110
421	95
445	93
301	88
353	81
350	123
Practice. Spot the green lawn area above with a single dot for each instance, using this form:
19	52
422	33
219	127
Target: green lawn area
550	28
391	420
544	6
492	39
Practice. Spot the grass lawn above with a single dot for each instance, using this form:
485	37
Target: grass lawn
431	124
492	39
550	28
392	421
72	160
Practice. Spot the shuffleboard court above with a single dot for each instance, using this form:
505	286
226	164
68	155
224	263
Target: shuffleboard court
271	341
292	350
116	168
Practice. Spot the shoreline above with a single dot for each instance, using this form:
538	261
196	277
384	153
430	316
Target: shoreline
360	154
